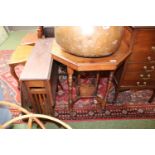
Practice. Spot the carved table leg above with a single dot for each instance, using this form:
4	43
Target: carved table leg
70	85
108	88
13	73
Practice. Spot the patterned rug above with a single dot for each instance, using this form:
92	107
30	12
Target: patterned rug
129	105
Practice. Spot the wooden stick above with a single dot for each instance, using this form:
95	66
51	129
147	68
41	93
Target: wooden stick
31	117
38	116
22	110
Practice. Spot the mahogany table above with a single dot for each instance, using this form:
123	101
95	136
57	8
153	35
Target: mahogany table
75	63
39	79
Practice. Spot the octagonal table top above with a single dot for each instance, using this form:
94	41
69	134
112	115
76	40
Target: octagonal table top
90	64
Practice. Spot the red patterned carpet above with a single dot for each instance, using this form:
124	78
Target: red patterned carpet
129	104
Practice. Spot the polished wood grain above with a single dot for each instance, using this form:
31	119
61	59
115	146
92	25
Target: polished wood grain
143	49
139	69
39	79
138	84
40	62
142	57
136	67
140	75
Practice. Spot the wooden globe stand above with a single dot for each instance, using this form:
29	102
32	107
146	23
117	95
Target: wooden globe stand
81	64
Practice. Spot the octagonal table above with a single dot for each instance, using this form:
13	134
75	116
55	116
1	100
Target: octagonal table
75	63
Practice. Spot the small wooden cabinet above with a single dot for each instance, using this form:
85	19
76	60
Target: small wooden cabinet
39	79
139	69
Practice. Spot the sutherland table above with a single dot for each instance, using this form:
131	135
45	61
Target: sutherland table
39	79
75	63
